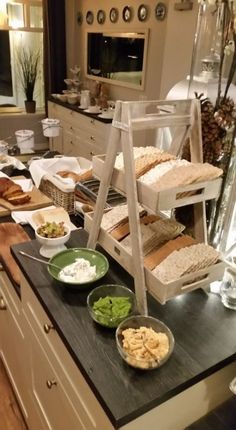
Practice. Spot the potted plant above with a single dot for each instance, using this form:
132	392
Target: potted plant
28	63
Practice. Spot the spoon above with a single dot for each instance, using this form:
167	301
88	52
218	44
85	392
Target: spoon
39	259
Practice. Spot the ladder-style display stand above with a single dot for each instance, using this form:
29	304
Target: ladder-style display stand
182	119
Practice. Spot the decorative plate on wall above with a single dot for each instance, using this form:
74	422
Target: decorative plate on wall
127	14
114	14
79	18
101	16
142	12
89	17
160	11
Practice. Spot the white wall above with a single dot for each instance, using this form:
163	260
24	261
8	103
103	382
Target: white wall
169	48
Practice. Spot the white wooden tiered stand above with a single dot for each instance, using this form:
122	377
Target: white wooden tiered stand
182	117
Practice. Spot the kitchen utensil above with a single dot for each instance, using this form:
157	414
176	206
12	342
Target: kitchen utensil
40	260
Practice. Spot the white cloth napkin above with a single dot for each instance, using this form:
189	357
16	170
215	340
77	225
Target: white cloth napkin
12	161
25	217
26	184
50	166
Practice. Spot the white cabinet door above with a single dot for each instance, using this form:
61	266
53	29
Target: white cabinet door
53	403
12	341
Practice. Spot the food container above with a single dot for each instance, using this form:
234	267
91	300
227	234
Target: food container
3	147
62	97
52	245
133	359
25	140
111	291
72	98
51	127
160	291
69	256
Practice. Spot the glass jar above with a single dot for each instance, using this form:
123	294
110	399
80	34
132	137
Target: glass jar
228	288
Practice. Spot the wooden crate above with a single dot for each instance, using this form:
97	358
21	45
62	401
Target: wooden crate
166	199
161	292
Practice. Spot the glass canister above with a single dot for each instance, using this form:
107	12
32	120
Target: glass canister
228	288
85	99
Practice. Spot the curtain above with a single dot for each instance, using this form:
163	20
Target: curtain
54	46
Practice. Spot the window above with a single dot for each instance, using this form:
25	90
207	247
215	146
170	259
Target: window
21	24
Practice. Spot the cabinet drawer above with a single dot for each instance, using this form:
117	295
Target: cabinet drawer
77	390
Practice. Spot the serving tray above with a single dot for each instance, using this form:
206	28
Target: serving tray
163	200
161	292
38	200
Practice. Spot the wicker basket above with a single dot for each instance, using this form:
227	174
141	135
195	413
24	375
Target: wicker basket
65	199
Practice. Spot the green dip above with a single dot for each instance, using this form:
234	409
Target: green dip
109	310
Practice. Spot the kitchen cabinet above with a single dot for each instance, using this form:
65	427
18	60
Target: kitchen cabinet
80	134
12	341
55	380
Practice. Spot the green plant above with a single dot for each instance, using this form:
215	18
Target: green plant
28	62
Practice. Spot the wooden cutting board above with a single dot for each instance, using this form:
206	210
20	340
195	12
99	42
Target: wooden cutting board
38	200
11	234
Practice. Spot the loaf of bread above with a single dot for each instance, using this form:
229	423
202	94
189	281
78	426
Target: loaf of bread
5	183
12	192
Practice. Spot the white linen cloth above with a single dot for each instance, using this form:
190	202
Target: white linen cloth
25	217
49	167
26	184
12	161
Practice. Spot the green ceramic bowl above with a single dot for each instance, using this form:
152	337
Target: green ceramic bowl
68	256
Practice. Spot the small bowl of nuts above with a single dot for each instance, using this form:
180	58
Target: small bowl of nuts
52	236
144	342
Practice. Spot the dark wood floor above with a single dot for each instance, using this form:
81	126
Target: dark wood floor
10	414
221	418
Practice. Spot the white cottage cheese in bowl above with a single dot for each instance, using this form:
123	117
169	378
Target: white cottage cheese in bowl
80	271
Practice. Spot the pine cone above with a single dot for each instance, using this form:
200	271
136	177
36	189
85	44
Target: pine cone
225	116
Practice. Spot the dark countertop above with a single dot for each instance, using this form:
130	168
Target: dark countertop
203	328
77	109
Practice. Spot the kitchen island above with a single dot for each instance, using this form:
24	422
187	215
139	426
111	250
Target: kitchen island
194	380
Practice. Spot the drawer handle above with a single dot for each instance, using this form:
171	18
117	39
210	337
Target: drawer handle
50	383
48	327
92	153
3	306
92	138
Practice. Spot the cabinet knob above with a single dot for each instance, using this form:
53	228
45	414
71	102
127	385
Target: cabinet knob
92	153
3	306
48	327
50	383
71	128
92	121
92	138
